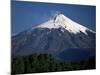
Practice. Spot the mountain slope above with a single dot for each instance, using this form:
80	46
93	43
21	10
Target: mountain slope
54	36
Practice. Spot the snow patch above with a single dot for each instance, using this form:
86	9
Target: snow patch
62	30
48	32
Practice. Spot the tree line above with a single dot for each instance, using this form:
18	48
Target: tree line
37	63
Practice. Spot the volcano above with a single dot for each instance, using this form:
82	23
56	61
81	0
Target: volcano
60	36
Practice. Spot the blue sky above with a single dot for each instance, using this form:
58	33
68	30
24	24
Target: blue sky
24	15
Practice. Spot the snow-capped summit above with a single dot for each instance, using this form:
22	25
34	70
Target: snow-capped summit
61	21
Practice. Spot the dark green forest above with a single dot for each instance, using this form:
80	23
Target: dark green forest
37	63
